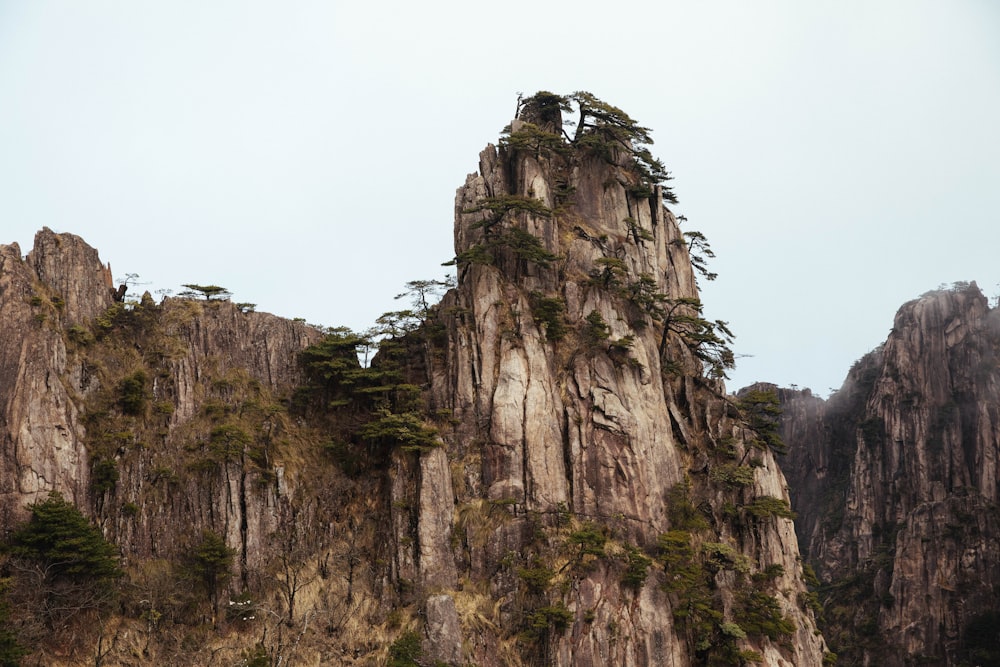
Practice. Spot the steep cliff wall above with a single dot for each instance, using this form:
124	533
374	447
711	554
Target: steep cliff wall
585	442
41	441
896	479
72	270
167	423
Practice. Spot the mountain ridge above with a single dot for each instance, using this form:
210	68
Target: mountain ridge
544	470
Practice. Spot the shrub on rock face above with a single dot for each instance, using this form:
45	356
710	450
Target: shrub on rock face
405	651
636	568
763	507
761	412
132	394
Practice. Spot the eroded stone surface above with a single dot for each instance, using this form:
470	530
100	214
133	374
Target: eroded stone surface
543	427
902	463
444	635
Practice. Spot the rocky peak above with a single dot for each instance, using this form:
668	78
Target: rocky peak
61	283
577	382
897	477
74	272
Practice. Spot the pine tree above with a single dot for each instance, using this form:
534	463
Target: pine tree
213	562
60	537
59	566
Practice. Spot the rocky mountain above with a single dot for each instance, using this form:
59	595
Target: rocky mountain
895	482
165	424
541	469
573	371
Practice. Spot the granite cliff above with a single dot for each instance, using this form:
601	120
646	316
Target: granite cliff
544	469
895	482
40	422
575	377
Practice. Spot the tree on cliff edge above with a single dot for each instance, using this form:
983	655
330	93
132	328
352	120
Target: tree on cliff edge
209	292
601	128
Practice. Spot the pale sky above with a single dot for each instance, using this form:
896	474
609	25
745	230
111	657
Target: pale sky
841	157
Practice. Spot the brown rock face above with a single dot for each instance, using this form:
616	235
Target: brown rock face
896	480
575	408
41	439
44	388
161	422
72	270
216	368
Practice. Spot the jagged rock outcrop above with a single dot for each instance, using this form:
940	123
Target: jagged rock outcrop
72	270
44	387
895	481
577	405
41	442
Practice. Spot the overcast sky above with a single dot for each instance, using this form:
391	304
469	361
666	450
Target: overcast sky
841	157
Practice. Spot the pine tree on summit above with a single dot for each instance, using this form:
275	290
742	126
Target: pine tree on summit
210	292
